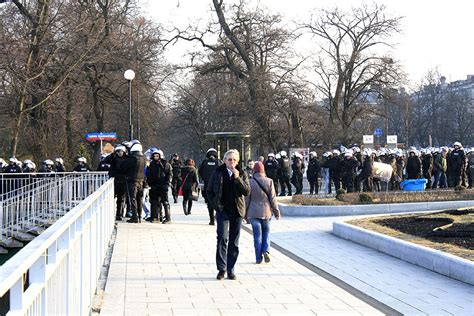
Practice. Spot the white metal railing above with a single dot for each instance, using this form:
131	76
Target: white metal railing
57	272
43	200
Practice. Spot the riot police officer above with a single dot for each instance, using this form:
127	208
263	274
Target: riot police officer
176	165
313	173
159	176
271	169
206	169
284	173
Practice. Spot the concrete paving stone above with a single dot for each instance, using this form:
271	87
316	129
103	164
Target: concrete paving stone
187	305
287	312
159	312
219	305
175	265
229	311
147	299
198	312
340	313
193	299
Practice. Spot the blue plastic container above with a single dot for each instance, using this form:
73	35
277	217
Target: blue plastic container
414	185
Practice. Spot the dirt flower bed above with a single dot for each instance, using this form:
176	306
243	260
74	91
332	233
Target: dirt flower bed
448	231
385	197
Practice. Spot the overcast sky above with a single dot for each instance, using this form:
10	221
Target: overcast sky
436	33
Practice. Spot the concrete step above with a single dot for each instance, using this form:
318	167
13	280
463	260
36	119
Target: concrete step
34	230
10	243
22	236
3	251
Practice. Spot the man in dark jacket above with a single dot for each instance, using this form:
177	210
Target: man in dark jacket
176	165
427	165
158	176
271	169
367	172
413	166
284	173
349	167
134	169
115	161
298	168
206	169
457	164
440	166
313	173
226	193
334	165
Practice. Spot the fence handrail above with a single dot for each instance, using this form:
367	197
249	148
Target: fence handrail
14	268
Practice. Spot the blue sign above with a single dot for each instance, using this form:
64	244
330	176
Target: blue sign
378	132
101	136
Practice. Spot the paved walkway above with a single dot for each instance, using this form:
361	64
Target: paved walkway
170	270
407	288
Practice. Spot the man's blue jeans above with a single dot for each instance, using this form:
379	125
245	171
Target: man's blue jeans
261	236
440	179
228	233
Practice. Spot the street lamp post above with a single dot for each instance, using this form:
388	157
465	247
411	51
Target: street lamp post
129	75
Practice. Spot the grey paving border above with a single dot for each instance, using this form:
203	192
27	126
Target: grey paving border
387	310
435	260
342	210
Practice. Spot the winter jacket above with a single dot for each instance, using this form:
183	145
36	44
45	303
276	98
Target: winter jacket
427	164
259	204
271	168
367	167
284	169
457	160
334	165
81	168
134	167
115	170
159	173
12	169
298	168
176	166
215	186
190	174
414	167
440	163
207	168
313	169
349	167
400	165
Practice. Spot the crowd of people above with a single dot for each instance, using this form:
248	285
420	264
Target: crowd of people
233	193
48	166
356	170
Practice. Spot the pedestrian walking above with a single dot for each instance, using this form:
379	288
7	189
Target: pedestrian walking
261	205
226	193
189	185
176	165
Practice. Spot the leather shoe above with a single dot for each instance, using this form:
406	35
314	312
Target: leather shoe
220	275
133	220
266	257
231	276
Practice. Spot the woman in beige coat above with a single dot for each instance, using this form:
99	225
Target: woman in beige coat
261	205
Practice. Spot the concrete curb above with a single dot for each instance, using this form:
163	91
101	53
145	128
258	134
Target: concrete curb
435	260
341	210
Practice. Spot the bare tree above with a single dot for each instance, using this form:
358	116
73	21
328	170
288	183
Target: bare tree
348	64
